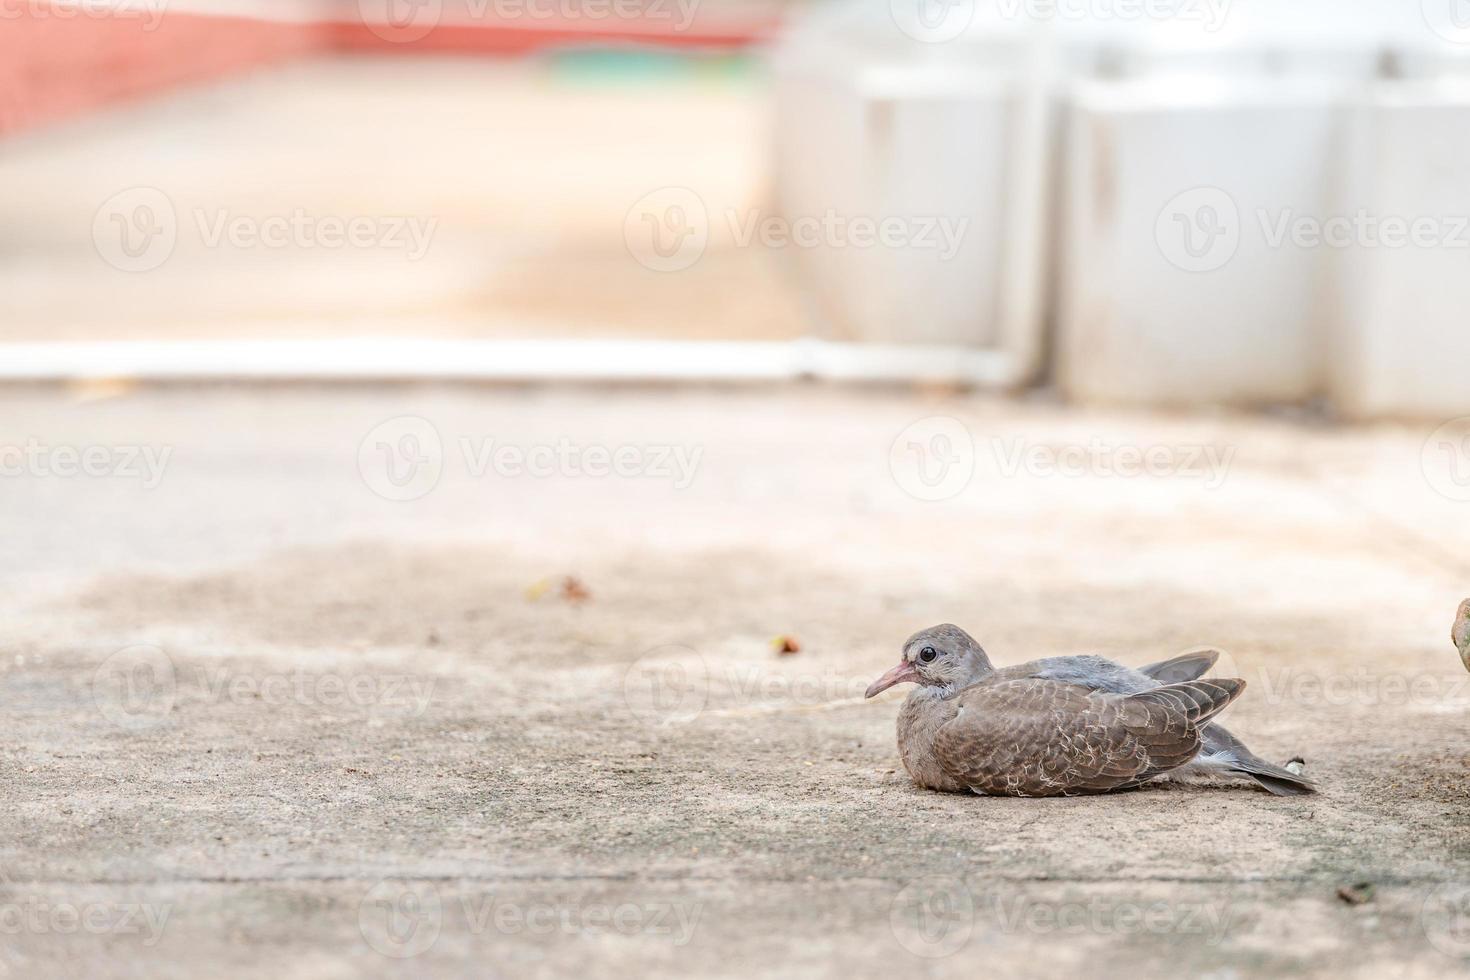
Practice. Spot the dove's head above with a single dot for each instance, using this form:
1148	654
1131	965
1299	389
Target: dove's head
943	657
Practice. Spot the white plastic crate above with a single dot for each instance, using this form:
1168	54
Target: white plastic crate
1187	151
1170	291
1403	347
948	137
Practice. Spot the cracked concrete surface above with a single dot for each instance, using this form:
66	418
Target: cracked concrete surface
264	721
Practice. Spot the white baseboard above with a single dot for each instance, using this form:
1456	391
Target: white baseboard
390	359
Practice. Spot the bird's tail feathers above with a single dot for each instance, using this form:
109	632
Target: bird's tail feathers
1186	667
1278	780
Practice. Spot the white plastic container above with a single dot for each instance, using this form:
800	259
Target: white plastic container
1169	290
948	138
1186	155
1403	347
1202	154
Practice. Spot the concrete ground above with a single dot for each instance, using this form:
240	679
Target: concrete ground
269	716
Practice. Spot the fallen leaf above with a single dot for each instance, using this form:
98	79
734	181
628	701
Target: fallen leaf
572	589
785	645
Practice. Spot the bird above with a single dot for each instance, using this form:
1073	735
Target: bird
1064	726
1460	632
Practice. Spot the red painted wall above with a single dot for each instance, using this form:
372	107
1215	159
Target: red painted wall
58	62
485	38
53	66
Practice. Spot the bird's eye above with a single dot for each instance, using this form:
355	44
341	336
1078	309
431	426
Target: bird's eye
927	655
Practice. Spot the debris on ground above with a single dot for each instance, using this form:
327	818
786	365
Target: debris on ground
1356	894
785	645
569	588
572	589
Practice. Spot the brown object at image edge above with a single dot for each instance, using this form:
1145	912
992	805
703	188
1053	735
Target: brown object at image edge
1460	633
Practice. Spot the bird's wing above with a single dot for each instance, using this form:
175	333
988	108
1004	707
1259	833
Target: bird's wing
1092	672
1047	738
1188	667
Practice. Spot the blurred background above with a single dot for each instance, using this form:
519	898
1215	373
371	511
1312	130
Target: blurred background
1176	202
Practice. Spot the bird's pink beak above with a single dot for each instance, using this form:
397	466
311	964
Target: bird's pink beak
904	673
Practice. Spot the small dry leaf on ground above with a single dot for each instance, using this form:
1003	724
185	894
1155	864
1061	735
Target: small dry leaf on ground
785	645
569	588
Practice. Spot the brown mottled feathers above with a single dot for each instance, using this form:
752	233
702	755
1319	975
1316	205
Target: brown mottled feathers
1036	737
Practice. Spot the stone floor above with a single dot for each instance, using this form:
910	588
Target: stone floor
297	684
